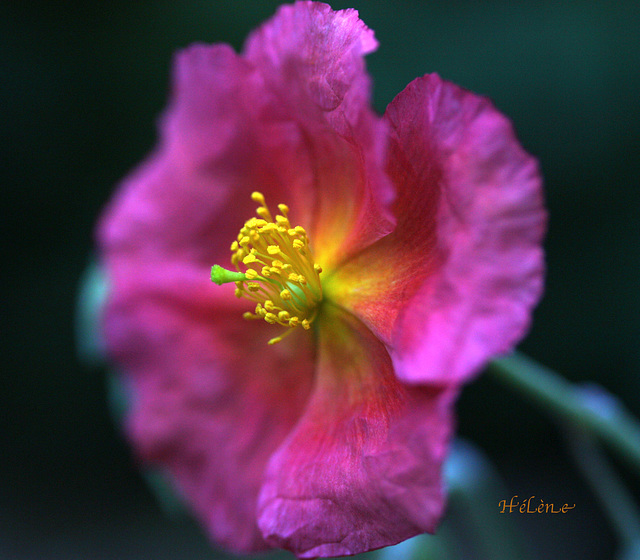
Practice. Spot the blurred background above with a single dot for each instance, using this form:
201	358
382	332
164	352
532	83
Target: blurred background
82	86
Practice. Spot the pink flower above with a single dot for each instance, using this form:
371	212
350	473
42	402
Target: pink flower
427	225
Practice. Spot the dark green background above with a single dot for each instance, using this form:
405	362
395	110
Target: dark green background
82	85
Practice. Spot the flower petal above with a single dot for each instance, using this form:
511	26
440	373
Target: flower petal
362	468
456	281
191	197
311	60
203	407
290	118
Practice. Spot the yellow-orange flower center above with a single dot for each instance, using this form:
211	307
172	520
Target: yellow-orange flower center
276	270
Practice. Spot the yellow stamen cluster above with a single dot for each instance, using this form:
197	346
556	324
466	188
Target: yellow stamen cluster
281	276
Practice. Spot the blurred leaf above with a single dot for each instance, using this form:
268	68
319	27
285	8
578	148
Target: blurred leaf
91	297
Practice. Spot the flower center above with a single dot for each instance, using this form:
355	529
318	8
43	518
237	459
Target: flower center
275	269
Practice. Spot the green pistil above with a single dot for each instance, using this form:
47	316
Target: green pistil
221	275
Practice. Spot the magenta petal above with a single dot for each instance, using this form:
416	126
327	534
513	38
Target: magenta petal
308	51
361	470
191	196
208	394
485	272
311	59
290	117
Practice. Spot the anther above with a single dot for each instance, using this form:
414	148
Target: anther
275	269
257	197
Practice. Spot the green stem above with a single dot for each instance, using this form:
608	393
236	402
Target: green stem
475	489
607	418
607	486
